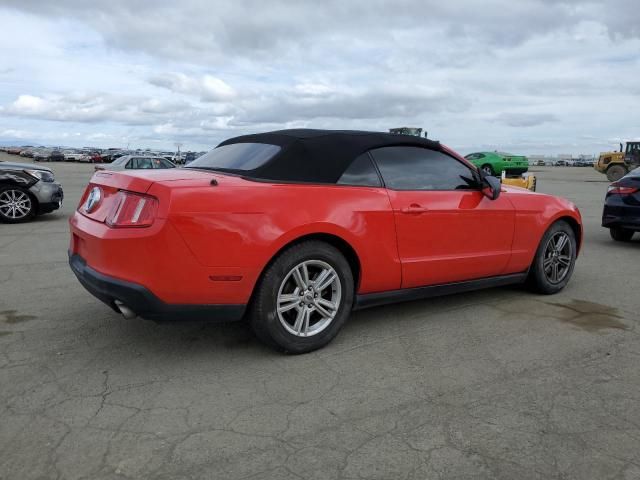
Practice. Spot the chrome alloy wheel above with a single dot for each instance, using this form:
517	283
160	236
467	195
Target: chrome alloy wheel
309	298
557	257
14	204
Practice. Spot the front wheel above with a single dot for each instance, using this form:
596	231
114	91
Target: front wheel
304	298
15	205
620	234
555	259
616	172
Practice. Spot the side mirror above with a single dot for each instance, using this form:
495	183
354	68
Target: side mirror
491	186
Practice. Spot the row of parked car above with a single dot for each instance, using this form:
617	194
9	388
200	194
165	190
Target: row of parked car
87	155
563	163
45	154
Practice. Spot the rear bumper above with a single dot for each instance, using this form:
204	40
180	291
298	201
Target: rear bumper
621	216
630	223
143	302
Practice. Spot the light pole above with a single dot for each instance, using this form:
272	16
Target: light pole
178	145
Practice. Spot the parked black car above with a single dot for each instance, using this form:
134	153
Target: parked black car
621	214
46	155
582	163
56	156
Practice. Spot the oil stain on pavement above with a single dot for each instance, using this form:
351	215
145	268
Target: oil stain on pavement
590	316
12	316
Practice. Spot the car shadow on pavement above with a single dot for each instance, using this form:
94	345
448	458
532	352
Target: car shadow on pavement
373	325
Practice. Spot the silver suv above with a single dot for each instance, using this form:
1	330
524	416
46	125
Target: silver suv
27	190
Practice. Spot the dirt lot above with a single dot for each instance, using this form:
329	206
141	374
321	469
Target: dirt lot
495	384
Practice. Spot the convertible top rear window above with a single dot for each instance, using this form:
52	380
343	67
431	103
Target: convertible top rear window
299	155
236	157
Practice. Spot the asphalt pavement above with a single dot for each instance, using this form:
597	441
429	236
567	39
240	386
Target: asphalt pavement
499	383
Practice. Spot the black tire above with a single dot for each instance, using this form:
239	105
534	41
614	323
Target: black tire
616	172
488	169
541	280
27	207
620	234
266	321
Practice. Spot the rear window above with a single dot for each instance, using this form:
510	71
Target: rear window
236	157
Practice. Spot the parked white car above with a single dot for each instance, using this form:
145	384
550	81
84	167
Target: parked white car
136	162
71	156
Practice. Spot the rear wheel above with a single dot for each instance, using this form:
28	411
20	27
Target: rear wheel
15	205
620	234
303	298
555	259
616	172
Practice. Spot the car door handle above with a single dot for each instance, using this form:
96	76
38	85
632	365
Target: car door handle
414	209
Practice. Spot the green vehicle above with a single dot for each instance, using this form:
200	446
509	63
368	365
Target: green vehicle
494	163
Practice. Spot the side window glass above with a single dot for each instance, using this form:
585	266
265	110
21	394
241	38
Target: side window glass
131	163
415	168
361	172
144	163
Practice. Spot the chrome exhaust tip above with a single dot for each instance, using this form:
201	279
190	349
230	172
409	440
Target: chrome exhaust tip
125	311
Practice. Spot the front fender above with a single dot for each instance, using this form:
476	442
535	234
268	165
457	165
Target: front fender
16	178
535	213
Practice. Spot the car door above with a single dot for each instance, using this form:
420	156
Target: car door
447	230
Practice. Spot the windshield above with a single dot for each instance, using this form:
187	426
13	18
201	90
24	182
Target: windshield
236	157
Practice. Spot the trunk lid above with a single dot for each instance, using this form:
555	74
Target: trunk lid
140	181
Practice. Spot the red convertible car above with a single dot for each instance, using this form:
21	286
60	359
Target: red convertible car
293	229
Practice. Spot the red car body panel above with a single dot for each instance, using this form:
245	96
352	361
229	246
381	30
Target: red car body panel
449	236
534	213
231	229
214	234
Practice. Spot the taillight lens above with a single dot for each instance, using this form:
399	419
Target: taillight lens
132	210
615	189
84	196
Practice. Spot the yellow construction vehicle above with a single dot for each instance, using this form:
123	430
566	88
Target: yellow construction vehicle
612	165
522	181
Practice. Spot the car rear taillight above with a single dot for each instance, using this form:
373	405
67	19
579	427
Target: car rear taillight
132	210
615	189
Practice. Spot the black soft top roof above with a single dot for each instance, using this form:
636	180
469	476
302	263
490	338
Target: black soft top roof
321	156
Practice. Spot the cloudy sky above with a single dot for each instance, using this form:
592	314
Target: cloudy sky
528	76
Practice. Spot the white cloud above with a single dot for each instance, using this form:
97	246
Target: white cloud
28	105
520	119
207	87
